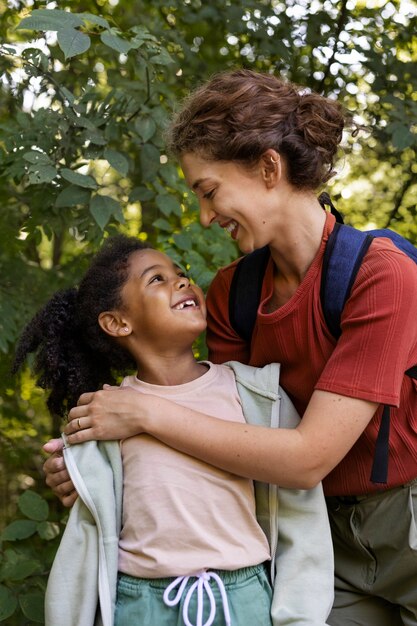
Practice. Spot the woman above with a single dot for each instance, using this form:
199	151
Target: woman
256	150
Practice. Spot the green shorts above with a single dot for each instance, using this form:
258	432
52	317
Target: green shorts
375	544
140	601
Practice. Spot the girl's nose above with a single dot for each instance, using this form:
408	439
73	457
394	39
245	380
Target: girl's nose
183	281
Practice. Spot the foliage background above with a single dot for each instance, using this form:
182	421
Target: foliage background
86	90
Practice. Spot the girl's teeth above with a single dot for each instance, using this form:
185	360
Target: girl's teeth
186	303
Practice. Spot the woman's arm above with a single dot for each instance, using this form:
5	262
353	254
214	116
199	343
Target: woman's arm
295	458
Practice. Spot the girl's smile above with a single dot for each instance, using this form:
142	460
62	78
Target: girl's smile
159	301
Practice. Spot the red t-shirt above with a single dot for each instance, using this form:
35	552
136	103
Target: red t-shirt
378	344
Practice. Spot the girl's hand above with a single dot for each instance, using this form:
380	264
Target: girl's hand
111	413
56	475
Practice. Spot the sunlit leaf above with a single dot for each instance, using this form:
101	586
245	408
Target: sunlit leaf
50	19
72	42
103	207
110	39
82	180
117	160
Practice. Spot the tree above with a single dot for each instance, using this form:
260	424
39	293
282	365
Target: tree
86	92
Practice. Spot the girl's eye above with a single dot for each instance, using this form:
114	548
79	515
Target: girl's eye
156	279
209	194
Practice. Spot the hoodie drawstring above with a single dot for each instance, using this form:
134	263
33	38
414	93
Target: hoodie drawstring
201	585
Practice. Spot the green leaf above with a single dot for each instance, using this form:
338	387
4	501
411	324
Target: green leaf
162	224
116	43
48	530
33	506
94	19
95	136
50	19
102	208
168	205
8	603
149	161
81	180
183	241
20	568
146	127
72	196
141	193
402	137
36	157
19	529
163	58
73	42
68	95
117	160
38	174
32	605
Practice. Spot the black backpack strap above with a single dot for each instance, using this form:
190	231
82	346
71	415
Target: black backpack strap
324	200
343	256
379	472
245	291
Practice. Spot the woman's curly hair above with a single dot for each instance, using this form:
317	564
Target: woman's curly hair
72	353
239	114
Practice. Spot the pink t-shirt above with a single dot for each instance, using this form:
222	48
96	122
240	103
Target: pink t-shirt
181	515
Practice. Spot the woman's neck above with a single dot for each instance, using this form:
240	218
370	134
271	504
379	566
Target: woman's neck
169	370
298	242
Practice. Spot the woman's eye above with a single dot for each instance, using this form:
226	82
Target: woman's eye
155	279
209	194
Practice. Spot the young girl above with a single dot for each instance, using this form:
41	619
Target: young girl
178	538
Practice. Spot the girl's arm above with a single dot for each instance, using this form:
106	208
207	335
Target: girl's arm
296	458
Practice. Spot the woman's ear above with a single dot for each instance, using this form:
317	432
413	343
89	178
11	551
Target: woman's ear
271	167
113	324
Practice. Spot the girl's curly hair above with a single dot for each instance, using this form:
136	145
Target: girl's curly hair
72	353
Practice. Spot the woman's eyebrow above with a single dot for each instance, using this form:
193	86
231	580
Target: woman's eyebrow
198	183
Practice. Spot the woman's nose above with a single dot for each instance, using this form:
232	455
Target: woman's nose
207	215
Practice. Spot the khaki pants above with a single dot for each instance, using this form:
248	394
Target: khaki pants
375	543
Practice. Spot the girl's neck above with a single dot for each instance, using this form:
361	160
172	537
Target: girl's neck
169	370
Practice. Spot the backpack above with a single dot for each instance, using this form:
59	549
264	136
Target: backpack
345	250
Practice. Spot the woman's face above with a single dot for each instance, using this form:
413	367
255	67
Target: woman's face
242	201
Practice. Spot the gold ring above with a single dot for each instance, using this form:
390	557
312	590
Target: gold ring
79	424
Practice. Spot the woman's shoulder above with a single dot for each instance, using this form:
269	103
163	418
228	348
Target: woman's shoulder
385	257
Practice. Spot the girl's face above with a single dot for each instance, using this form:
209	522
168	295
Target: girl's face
240	200
160	305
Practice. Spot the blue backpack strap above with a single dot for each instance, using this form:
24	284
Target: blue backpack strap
245	291
343	256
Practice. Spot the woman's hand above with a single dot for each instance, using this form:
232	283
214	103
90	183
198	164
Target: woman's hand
111	413
56	475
